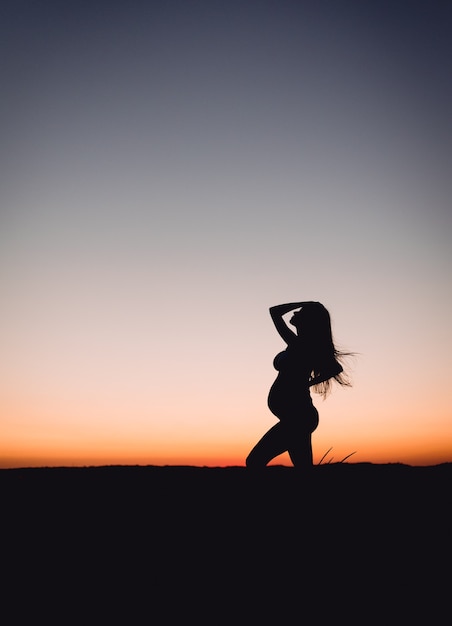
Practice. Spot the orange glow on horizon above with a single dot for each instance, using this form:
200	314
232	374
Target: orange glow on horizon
35	438
75	456
110	435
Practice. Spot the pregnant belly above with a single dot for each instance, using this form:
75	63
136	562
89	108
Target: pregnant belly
287	399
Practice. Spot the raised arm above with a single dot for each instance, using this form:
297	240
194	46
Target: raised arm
277	313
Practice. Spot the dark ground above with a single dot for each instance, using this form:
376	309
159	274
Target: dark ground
145	544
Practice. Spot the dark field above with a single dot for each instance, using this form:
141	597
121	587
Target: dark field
143	544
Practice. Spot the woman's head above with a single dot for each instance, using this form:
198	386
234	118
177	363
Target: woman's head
313	322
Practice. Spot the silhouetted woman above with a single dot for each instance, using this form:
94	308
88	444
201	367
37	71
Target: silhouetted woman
310	360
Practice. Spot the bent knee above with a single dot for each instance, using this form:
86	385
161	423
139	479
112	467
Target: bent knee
253	461
250	462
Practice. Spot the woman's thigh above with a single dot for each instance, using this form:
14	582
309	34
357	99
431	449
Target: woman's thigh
272	444
300	422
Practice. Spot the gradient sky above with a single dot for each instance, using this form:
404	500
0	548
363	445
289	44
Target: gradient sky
170	170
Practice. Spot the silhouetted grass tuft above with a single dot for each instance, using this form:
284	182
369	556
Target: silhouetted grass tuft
330	460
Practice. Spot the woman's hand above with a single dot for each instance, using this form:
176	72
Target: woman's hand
277	313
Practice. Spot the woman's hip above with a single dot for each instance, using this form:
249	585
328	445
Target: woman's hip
301	418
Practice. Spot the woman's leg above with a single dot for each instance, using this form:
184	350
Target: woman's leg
272	444
300	451
299	436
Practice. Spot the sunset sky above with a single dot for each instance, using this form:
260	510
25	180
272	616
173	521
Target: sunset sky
169	171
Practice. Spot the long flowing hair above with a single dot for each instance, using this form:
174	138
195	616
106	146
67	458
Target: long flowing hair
324	355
